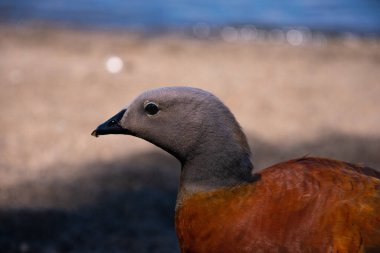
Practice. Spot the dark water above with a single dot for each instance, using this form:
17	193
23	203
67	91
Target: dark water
355	16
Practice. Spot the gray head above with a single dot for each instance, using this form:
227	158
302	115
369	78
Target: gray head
191	124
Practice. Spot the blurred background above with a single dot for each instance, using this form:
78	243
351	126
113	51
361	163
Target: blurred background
302	78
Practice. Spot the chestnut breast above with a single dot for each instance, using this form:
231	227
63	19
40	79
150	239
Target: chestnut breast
306	205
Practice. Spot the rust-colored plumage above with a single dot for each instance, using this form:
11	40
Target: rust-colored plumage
308	205
304	205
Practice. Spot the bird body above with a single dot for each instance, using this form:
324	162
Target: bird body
304	205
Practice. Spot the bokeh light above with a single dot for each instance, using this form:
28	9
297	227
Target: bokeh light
114	64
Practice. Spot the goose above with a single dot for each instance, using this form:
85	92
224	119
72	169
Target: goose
309	204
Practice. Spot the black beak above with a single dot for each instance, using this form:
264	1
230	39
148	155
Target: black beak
111	126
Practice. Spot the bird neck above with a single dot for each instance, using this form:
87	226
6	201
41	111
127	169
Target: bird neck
218	161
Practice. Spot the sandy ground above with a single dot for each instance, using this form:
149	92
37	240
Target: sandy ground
62	190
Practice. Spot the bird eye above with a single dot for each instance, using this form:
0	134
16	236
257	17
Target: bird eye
151	108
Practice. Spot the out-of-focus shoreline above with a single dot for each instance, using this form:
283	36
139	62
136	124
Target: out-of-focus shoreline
292	35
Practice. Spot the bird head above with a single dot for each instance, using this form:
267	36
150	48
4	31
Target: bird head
180	120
